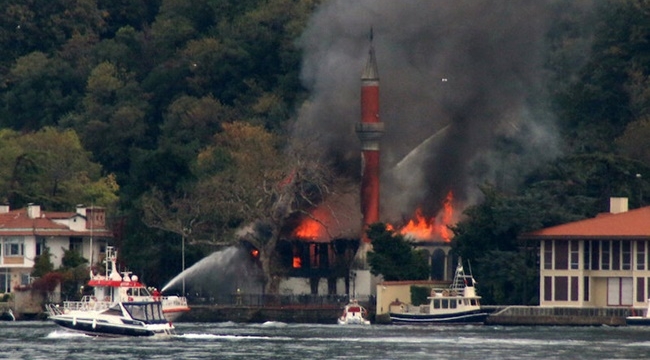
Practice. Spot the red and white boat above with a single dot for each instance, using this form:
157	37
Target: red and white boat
354	314
115	287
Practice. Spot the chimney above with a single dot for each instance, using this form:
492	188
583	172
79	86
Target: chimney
4	208
95	218
369	131
33	211
617	205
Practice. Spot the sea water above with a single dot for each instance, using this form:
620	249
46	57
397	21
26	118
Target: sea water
274	340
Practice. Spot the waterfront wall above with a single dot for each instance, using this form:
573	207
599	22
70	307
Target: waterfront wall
556	316
243	314
499	315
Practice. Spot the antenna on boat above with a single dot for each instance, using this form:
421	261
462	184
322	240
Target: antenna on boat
91	236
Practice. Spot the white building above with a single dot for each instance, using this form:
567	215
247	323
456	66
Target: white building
25	233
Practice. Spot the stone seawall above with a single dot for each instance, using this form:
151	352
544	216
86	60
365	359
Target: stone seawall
556	316
499	315
243	314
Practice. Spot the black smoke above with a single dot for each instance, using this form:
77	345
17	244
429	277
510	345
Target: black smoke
462	87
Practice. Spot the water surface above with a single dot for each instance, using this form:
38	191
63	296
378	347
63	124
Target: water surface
273	340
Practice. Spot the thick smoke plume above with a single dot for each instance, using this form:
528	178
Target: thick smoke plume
461	94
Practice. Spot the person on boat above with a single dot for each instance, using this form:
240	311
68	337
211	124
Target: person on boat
156	294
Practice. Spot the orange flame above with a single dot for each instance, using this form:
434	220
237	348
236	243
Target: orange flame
422	228
308	229
297	262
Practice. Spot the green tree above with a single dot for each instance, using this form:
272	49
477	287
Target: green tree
42	264
40	90
246	186
609	91
75	273
51	168
113	100
394	257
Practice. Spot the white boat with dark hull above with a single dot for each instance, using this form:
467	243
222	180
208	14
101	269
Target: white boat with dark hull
459	304
115	287
643	318
354	314
120	319
7	315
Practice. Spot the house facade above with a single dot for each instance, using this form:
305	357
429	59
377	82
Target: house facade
599	262
26	232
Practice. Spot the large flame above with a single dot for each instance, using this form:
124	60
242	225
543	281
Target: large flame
422	228
419	228
308	229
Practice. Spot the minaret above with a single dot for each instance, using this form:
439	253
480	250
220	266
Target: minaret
369	130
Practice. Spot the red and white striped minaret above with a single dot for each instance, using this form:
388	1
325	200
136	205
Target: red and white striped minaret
369	131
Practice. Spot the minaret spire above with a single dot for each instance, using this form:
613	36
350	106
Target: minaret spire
369	130
370	71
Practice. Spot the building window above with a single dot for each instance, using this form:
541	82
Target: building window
76	244
595	255
40	245
640	290
14	246
548	254
314	256
586	261
548	288
619	291
585	289
627	255
574	288
640	255
616	255
5	281
561	288
561	255
575	255
25	279
606	251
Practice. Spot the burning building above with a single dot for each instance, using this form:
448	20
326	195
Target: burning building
332	239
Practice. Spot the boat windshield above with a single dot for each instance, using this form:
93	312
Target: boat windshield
150	312
113	310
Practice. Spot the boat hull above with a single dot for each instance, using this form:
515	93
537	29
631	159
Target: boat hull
469	317
637	321
173	314
353	322
95	328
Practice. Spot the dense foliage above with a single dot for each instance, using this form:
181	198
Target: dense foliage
394	257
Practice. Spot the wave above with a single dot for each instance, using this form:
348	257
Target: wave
65	335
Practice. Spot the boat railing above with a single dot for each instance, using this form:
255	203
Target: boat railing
176	301
89	304
53	309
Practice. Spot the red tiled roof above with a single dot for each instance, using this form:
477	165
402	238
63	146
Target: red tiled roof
17	223
634	223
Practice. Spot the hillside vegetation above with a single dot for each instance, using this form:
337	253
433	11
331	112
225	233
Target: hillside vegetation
174	114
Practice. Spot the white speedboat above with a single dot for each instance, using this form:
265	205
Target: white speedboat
458	304
113	287
121	319
354	314
641	318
